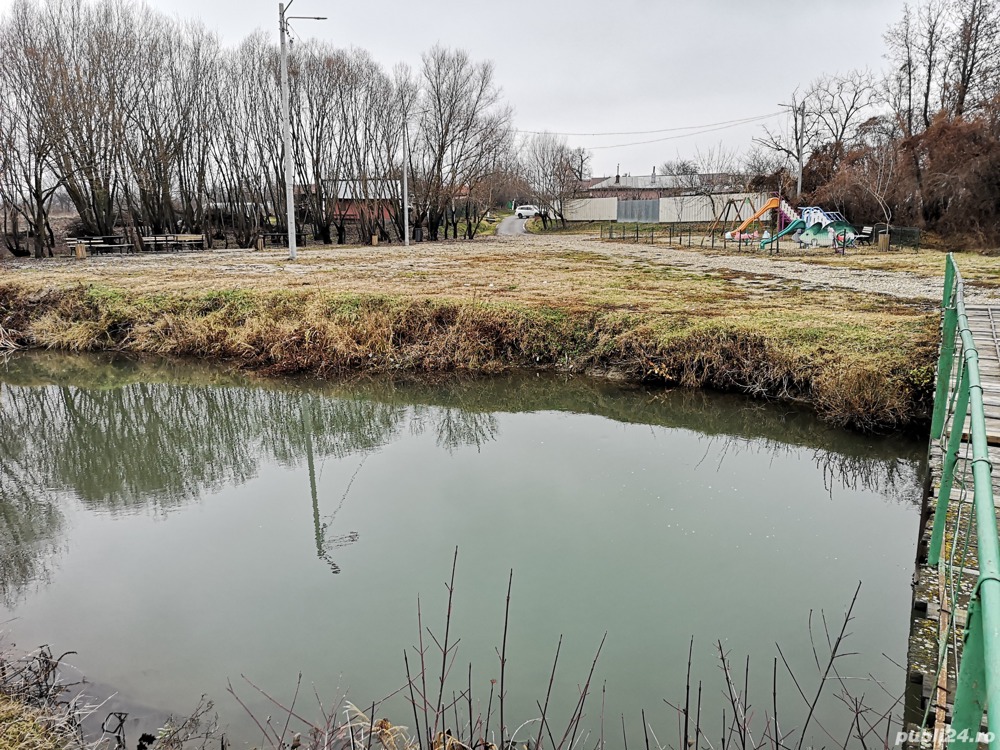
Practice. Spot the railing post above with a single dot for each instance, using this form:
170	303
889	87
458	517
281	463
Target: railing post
947	358
948	469
990	629
970	693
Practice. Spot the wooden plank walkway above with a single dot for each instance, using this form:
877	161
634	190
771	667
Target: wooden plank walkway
940	598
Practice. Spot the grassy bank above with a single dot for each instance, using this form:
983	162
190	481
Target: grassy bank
859	361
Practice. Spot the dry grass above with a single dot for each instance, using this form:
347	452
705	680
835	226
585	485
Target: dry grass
979	268
23	728
861	360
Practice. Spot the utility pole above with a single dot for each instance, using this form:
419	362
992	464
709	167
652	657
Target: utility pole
286	117
406	192
800	132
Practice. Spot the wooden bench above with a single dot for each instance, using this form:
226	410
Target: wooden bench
864	237
101	244
156	242
174	242
153	242
190	241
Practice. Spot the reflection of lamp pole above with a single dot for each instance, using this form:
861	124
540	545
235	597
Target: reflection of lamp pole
286	117
306	405
307	425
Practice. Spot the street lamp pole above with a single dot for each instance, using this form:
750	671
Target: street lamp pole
286	124
406	193
286	118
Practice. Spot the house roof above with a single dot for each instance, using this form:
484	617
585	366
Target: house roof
663	182
590	182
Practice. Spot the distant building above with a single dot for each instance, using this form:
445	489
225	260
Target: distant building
653	186
371	198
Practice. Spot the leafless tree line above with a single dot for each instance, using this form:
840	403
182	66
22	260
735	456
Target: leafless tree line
149	124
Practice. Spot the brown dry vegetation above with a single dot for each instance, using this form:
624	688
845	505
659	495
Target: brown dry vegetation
861	360
24	728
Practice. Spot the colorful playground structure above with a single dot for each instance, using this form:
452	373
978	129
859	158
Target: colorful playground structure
810	226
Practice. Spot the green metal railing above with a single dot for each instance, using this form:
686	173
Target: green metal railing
959	402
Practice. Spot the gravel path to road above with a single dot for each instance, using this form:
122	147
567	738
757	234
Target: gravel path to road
511	226
758	269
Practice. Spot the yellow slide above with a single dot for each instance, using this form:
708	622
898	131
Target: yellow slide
769	206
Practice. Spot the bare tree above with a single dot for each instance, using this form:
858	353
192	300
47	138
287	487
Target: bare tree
245	156
900	81
714	170
839	103
930	33
796	139
27	184
973	54
868	175
462	123
580	162
550	169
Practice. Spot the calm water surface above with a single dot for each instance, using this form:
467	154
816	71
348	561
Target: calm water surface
178	527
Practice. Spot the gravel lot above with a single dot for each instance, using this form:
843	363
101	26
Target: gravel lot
810	275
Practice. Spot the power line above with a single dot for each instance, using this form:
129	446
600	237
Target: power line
685	135
652	132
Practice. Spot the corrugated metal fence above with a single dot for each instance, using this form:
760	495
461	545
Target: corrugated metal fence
639	212
592	209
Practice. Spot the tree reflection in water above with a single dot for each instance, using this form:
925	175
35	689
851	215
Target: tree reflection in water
124	436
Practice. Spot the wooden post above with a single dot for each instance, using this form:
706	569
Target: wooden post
81	251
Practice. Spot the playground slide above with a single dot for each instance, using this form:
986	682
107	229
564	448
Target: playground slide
795	225
769	206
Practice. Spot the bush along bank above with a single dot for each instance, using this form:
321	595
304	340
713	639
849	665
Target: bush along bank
868	377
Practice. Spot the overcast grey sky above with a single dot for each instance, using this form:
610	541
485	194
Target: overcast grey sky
593	66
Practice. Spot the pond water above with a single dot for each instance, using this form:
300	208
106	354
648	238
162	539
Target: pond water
179	526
